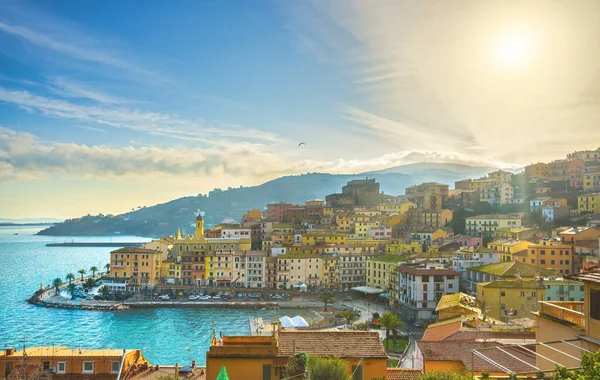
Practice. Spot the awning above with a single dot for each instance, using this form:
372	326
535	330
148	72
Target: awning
384	295
223	280
368	290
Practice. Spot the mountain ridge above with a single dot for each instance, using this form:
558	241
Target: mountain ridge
218	205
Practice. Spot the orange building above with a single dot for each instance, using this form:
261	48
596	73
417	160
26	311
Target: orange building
536	171
551	254
65	361
252	215
265	357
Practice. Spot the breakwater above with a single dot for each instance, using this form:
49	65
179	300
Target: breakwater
94	244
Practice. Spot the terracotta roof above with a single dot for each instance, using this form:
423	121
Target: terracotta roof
589	277
403	374
512	284
460	351
425	272
133	250
343	344
441	332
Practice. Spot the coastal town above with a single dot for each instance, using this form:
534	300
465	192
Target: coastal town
496	278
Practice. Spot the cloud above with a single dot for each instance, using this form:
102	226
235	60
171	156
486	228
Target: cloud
73	89
148	122
75	44
23	155
430	70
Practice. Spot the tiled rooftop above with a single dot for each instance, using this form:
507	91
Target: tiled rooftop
592	276
512	268
403	374
343	344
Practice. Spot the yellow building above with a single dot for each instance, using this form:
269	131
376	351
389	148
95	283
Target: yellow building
381	273
140	266
296	269
197	253
508	247
400	247
505	300
591	181
252	215
552	255
323	238
589	203
164	245
436	218
331	272
265	357
170	271
396	208
75	363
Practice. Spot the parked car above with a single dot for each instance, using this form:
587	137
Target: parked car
418	324
348	298
340	327
193	297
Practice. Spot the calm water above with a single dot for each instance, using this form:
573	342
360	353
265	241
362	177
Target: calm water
166	336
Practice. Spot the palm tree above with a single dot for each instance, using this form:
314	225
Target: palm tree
71	288
93	270
81	272
107	266
89	283
70	277
326	298
56	283
104	290
390	322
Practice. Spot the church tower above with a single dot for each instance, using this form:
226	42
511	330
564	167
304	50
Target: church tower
199	226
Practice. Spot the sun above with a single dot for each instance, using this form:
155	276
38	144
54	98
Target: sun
514	48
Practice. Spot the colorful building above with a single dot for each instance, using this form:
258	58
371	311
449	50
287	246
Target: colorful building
140	266
72	363
265	357
381	273
506	300
589	203
487	225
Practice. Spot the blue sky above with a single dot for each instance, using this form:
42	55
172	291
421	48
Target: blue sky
101	99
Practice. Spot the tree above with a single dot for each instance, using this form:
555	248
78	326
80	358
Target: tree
296	366
71	288
390	322
56	283
94	270
326	298
89	283
70	277
107	267
363	326
349	315
590	369
327	368
81	272
104	290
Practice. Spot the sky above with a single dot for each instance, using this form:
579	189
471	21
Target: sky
106	106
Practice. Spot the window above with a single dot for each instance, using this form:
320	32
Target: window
425	279
61	367
450	286
502	293
502	306
542	261
114	367
357	372
46	366
88	367
424	305
552	262
533	294
595	304
522	294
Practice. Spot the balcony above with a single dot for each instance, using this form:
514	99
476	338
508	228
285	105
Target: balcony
571	312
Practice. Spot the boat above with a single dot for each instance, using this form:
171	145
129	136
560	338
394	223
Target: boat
16	233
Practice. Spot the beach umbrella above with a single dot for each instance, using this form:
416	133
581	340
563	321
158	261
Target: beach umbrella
222	374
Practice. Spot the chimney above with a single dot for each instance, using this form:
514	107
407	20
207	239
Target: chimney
193	364
9	351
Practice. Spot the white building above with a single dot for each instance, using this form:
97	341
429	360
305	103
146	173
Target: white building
486	225
471	257
381	232
537	204
249	269
235	233
420	288
551	213
497	194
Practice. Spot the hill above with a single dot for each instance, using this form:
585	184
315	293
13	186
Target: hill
218	205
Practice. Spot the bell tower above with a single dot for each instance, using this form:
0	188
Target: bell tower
199	226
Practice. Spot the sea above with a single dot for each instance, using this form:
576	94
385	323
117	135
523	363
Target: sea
165	336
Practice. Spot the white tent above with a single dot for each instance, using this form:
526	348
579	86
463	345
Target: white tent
299	321
286	322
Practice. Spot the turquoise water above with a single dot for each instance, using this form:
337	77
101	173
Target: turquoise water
166	336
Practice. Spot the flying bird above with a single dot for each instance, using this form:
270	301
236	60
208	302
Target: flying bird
301	144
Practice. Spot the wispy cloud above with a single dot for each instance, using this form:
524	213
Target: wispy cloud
147	122
73	89
77	45
431	70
